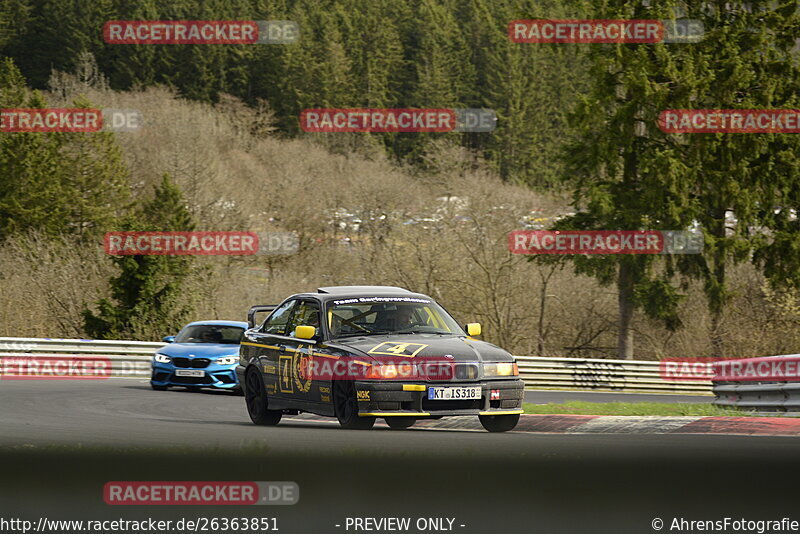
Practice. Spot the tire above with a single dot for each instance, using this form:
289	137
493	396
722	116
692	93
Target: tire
400	422
499	423
158	388
257	402
345	406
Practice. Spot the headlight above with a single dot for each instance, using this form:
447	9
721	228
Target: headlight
391	371
228	360
162	358
500	369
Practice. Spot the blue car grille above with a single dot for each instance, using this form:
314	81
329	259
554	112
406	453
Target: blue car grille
192	380
197	363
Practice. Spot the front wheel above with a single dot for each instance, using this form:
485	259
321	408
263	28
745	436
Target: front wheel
400	422
499	423
257	402
346	407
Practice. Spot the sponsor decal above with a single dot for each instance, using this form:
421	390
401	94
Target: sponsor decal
604	242
494	394
381	299
302	369
362	394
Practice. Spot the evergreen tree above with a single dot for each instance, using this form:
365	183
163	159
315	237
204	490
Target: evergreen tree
621	176
145	294
745	186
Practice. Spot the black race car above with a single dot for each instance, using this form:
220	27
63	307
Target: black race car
361	352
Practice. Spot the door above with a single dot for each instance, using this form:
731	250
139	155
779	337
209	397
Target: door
296	358
266	344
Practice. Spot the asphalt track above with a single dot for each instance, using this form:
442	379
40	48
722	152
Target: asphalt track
60	441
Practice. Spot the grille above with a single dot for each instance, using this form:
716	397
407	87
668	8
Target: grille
197	363
192	380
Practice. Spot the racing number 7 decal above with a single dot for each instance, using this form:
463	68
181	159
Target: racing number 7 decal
285	374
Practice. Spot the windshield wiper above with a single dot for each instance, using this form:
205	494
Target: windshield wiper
357	334
413	331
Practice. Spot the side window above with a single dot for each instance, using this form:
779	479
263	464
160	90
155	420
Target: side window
276	323
307	314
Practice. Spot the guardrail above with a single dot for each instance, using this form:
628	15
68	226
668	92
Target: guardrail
125	358
770	384
132	358
603	375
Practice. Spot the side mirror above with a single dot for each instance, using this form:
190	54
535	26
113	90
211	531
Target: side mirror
305	332
473	329
169	339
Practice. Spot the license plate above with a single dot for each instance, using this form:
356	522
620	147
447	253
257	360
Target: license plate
454	393
190	372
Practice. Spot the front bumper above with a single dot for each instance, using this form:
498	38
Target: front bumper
386	399
216	376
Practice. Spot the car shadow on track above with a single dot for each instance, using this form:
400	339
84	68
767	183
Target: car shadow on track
181	389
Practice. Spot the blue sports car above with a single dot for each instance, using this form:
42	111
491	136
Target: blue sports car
203	354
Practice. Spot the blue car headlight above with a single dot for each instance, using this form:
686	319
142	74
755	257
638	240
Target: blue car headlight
162	358
228	360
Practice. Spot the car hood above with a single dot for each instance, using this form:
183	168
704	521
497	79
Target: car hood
429	345
199	350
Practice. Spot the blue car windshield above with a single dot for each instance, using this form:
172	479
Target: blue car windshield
208	333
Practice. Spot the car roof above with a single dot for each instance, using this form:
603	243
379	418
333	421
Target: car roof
240	324
342	292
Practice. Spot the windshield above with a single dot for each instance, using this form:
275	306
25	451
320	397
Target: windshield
209	333
389	315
